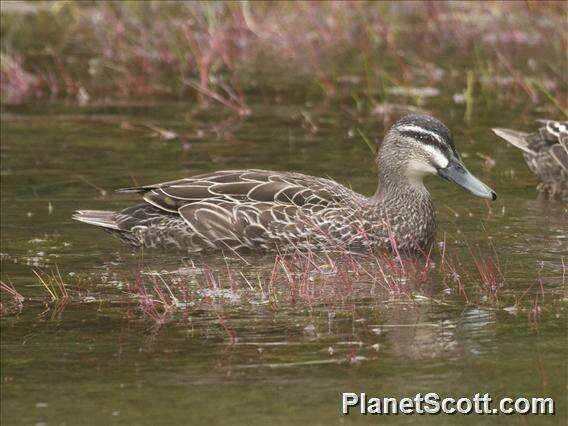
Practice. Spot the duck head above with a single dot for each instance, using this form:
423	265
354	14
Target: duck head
420	145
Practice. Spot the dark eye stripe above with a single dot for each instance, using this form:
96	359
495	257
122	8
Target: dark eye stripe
429	140
422	137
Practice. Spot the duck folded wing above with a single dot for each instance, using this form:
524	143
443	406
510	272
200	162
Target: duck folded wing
251	225
241	186
560	152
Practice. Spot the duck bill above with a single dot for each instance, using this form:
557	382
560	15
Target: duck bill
456	172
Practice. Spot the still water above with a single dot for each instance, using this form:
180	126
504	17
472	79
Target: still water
231	356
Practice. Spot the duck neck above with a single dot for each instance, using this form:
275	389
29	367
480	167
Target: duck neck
406	205
394	185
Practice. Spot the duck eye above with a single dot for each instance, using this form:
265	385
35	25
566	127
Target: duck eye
429	139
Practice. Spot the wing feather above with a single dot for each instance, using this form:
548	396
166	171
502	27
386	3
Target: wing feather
248	208
266	191
560	154
233	189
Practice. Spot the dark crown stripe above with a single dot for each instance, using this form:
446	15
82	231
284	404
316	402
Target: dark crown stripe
429	125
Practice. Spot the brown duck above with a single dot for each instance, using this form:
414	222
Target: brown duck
546	153
271	210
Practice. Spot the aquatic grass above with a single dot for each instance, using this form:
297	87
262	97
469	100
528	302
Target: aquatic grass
336	279
11	291
232	102
490	278
297	278
156	308
333	281
53	284
16	84
552	98
15	302
214	51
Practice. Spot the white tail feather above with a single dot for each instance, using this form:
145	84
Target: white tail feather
518	139
97	217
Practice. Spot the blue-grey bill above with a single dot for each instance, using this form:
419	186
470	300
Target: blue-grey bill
456	172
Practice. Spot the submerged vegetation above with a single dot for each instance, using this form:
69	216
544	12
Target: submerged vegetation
335	283
332	282
217	52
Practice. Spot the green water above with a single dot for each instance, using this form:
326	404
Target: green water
244	360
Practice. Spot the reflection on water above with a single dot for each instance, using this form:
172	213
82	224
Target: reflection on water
235	344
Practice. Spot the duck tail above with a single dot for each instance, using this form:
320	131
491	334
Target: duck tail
102	218
518	139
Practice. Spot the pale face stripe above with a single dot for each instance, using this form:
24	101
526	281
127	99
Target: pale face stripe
436	155
418	129
433	152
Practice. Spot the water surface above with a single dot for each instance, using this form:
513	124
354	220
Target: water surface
234	357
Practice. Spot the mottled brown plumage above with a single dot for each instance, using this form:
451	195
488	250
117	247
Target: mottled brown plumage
546	154
271	210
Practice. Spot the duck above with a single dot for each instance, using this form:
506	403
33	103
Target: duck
264	210
546	153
